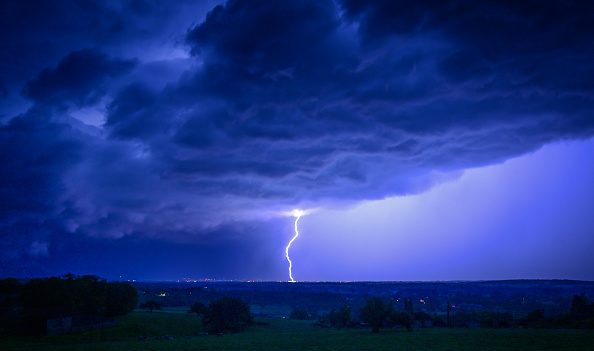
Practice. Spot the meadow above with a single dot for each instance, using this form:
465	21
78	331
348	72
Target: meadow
172	330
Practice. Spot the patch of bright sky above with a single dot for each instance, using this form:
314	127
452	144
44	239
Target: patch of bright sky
530	217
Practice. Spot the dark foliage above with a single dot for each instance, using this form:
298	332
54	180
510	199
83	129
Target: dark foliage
58	297
338	318
151	305
404	319
376	312
10	289
121	299
580	315
580	306
227	315
408	305
9	286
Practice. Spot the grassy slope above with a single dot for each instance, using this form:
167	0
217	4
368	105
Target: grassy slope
295	335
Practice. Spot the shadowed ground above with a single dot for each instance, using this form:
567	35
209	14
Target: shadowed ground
176	331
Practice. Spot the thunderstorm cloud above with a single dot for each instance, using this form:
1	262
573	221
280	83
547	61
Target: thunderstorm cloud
208	118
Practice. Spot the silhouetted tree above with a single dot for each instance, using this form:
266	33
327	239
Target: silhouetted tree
58	297
151	305
375	312
579	304
90	294
408	305
121	299
46	298
227	315
340	318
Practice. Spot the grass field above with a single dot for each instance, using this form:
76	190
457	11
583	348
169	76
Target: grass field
177	331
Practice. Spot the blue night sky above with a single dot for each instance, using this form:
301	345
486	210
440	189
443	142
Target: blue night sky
429	140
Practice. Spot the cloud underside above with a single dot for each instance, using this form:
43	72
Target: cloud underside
293	104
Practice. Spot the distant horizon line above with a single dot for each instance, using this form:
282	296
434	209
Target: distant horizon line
359	281
211	280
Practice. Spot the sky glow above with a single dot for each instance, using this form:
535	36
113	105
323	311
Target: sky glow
431	139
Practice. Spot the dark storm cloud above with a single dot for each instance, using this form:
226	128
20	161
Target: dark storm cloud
36	34
366	100
35	153
132	113
277	104
80	78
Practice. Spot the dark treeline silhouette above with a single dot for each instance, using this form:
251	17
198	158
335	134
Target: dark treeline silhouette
580	315
225	315
516	297
35	303
378	313
338	318
39	300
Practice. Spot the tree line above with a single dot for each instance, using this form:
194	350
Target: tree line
379	313
38	300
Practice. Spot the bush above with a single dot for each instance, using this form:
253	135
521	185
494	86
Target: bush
227	315
340	318
376	312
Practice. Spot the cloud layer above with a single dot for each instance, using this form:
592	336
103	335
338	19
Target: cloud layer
257	108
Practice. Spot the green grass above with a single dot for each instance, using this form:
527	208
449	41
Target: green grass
289	335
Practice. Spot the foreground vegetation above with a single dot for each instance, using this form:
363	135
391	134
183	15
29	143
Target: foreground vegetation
176	331
27	308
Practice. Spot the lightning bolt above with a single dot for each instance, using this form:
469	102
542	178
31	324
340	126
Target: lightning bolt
297	214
